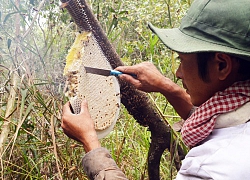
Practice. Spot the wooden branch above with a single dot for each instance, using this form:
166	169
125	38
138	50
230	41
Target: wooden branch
34	19
55	146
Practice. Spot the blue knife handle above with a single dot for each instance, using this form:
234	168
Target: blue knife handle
117	73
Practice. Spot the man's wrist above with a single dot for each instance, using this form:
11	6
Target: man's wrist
90	143
167	86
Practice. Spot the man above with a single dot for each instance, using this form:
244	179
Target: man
213	43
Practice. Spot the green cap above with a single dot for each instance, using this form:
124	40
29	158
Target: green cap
211	25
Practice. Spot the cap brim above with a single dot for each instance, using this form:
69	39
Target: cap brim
177	41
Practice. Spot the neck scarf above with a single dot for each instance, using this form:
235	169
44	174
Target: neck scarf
201	123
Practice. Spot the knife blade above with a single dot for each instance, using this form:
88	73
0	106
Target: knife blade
105	72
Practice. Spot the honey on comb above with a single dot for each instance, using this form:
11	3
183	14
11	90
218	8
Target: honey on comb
102	93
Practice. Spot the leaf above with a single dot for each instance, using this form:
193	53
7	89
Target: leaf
29	109
1	58
8	16
32	2
124	18
9	43
1	119
153	41
112	10
123	12
24	94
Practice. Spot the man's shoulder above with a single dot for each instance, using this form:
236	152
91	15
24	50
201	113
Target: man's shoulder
223	152
230	138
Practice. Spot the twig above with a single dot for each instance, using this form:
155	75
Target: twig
34	19
54	145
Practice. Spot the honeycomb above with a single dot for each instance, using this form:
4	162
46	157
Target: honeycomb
101	92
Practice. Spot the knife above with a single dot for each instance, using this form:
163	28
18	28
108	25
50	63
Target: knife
105	72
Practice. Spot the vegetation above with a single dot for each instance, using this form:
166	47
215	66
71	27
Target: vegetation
34	39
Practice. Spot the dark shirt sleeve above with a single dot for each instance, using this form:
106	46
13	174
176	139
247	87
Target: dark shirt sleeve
99	165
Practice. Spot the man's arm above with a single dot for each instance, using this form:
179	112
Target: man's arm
97	163
149	79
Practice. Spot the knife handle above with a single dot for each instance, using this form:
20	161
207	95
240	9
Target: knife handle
117	73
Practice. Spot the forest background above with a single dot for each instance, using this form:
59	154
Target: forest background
35	36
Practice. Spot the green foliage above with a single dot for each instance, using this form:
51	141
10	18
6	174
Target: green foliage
34	39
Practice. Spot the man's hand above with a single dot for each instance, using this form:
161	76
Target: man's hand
80	127
149	79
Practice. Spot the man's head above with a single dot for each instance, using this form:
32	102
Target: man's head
213	42
204	74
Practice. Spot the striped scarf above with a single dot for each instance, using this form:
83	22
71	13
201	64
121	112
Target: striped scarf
201	123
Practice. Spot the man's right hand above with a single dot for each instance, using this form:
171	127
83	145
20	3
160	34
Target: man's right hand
149	79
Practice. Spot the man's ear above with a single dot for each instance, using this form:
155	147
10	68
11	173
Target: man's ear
224	64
